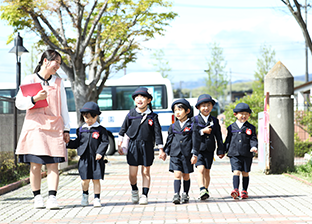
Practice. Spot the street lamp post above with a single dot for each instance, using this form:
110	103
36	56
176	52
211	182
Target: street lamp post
18	50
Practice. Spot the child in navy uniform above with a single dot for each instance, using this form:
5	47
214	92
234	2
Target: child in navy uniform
179	147
207	132
142	129
240	144
91	144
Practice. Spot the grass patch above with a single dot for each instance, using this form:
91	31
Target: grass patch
303	171
10	173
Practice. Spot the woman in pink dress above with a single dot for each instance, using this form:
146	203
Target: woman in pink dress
45	129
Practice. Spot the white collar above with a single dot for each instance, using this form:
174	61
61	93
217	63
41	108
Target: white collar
182	123
204	117
240	124
96	124
148	111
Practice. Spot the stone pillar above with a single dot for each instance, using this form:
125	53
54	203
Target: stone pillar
279	83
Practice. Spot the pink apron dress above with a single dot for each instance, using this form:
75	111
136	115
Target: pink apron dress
42	132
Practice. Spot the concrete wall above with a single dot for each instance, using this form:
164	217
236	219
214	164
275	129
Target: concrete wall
7	131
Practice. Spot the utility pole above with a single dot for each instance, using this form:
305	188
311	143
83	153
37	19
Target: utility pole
230	86
181	95
306	45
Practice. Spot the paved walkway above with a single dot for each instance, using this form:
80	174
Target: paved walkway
273	199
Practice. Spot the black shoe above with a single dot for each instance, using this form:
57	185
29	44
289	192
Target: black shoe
176	199
204	194
185	198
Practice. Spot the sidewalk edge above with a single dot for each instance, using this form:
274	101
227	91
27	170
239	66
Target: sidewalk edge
13	186
298	178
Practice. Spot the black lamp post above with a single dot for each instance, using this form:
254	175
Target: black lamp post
18	50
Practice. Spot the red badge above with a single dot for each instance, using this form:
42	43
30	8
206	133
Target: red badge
150	122
248	131
95	135
186	129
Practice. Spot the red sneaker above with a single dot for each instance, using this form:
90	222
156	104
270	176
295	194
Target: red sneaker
244	195
235	193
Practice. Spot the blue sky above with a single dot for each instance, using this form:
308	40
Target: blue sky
239	27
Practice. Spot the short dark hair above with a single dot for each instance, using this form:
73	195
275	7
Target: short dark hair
85	113
181	105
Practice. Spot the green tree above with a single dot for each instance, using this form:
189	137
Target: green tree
256	100
256	104
304	120
264	65
160	63
94	37
217	80
32	62
295	9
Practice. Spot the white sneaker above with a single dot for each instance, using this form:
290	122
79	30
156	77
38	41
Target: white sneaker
52	203
38	201
135	197
85	199
97	202
143	200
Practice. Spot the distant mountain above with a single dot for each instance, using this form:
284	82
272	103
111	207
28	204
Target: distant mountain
202	82
302	78
190	84
242	80
199	83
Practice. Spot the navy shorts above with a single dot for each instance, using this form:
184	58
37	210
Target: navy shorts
205	159
241	163
181	163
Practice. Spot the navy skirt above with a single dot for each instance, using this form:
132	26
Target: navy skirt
29	158
89	168
140	153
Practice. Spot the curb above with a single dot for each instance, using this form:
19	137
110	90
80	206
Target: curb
298	178
20	183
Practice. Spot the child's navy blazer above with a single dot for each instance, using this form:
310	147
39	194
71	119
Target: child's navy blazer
148	130
239	141
207	142
179	139
96	139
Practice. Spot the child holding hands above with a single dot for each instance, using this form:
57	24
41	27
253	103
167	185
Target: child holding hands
207	132
240	144
91	144
140	130
179	147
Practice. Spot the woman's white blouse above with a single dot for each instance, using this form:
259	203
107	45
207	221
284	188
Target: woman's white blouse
24	103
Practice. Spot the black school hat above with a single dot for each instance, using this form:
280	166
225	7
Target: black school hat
182	101
142	91
91	107
204	98
242	107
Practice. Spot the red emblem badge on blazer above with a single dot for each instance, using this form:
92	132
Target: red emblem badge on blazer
95	135
248	131
186	129
150	122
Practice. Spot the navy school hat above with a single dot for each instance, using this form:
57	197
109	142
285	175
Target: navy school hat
91	107
204	98
242	107
142	91
182	101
